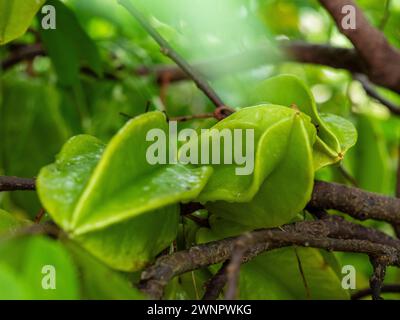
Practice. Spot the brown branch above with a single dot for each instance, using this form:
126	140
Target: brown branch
192	117
378	276
16	183
314	234
21	53
398	173
338	228
371	91
381	60
216	284
297	51
388	288
358	203
325	55
396	226
39	216
233	269
340	58
330	232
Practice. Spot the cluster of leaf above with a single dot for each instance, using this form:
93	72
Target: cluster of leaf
124	211
73	275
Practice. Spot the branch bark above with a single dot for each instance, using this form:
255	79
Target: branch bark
16	183
22	53
217	283
381	60
316	234
378	276
355	202
388	288
358	203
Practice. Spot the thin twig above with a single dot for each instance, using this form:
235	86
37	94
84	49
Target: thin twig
202	222
387	288
398	173
22	53
233	268
378	276
335	57
216	284
165	82
166	49
303	276
355	202
371	91
396	226
47	228
347	175
192	117
16	183
40	215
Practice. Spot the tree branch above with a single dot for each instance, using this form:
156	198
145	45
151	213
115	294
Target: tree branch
16	183
297	51
376	280
216	284
355	202
358	203
381	60
388	288
21	53
325	55
314	234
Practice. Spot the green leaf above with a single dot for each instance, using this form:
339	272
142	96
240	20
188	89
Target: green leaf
370	159
270	124
16	16
28	259
9	223
335	134
31	127
276	275
69	46
269	197
11	288
114	201
92	274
